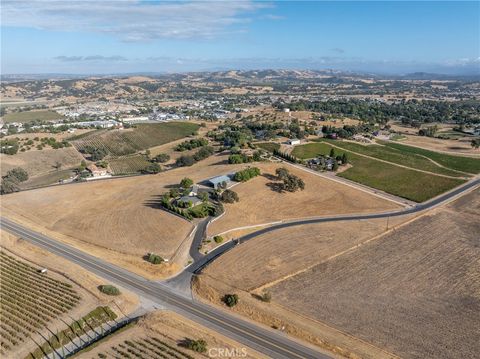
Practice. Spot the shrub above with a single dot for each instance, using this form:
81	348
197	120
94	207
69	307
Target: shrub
266	296
218	239
162	158
229	196
203	153
292	183
230	300
184	161
18	174
199	345
282	172
109	289
152	168
154	258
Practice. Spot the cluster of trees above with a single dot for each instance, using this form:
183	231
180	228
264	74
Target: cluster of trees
96	153
285	156
204	152
243	158
291	183
167	203
475	143
152	168
191	144
11	181
407	111
348	131
161	158
246	174
9	146
428	131
52	142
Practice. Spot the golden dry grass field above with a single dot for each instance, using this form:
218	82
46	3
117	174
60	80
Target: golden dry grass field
414	292
120	216
260	204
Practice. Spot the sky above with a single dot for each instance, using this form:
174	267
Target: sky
130	36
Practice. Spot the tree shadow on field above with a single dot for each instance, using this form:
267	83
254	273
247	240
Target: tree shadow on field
223	162
275	186
270	177
154	202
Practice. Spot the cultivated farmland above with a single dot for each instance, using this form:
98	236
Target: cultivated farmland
29	301
414	292
128	164
125	142
163	334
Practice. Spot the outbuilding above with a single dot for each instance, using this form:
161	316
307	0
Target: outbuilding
293	141
220	181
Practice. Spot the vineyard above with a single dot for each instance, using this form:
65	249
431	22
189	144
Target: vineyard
145	348
128	165
29	301
125	142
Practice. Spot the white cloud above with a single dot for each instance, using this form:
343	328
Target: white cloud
97	58
133	20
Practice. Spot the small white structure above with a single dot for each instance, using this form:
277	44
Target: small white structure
193	191
43	271
286	110
293	141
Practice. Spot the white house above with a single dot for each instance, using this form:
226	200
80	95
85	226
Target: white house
293	141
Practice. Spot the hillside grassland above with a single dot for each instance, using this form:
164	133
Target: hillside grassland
29	116
403	182
392	291
38	163
142	137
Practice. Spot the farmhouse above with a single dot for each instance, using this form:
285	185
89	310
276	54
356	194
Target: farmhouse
293	141
191	201
218	181
97	171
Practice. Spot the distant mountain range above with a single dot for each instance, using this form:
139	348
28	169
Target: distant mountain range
243	75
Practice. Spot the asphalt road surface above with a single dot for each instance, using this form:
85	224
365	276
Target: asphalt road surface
269	342
201	261
272	343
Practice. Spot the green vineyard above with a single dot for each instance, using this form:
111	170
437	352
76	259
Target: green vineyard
29	301
146	348
125	142
128	165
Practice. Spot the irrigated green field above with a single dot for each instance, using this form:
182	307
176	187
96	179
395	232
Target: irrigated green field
459	163
398	156
125	142
414	185
28	116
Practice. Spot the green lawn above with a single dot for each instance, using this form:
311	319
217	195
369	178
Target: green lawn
28	116
398	156
460	163
402	182
269	146
311	150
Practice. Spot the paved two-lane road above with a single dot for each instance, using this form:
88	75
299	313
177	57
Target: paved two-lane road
259	338
269	342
